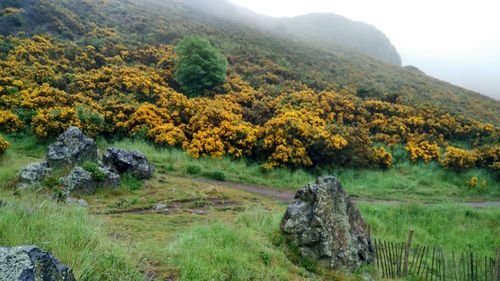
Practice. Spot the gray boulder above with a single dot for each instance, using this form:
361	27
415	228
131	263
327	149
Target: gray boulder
327	227
29	263
33	174
79	180
77	202
82	181
133	162
112	179
71	148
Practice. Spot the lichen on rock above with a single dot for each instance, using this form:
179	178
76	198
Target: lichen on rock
33	174
327	227
29	263
73	158
133	162
71	148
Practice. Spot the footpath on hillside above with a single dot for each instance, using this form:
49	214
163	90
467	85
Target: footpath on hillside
287	196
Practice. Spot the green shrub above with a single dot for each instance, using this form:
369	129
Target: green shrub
215	175
193	169
130	182
92	122
97	173
199	66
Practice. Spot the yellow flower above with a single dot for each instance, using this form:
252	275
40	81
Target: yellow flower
473	181
3	144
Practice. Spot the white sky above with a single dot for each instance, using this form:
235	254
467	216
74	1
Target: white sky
454	40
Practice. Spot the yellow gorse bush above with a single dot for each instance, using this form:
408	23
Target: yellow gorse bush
9	122
473	181
4	144
459	159
53	121
383	157
293	138
422	149
123	90
167	135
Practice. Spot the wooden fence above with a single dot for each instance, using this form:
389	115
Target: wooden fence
396	260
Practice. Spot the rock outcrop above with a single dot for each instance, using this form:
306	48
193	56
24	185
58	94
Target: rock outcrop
33	174
83	181
71	148
77	202
327	227
133	162
75	152
79	180
29	263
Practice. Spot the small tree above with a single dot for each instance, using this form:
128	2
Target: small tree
199	66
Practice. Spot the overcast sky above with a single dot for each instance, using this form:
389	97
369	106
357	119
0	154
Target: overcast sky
454	40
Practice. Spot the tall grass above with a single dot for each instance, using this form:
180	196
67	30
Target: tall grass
241	250
453	227
409	181
24	150
405	181
75	238
177	162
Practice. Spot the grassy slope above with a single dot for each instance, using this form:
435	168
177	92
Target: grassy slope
406	181
71	234
251	53
209	231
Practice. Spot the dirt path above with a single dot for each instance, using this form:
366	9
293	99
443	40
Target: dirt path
284	195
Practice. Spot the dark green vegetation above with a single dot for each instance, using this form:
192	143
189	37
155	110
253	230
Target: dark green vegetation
253	54
199	66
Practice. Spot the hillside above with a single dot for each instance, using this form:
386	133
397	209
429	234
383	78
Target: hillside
324	31
190	131
327	30
252	53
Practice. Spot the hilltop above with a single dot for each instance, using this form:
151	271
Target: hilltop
325	31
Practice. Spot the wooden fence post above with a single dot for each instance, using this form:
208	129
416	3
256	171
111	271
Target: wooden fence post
498	264
407	253
471	264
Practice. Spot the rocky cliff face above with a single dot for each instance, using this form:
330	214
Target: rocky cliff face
327	227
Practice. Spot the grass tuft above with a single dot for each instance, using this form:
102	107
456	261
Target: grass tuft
93	168
130	182
193	169
215	175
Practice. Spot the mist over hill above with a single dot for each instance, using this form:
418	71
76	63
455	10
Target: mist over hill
323	30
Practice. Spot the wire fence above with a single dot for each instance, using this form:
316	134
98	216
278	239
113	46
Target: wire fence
397	260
